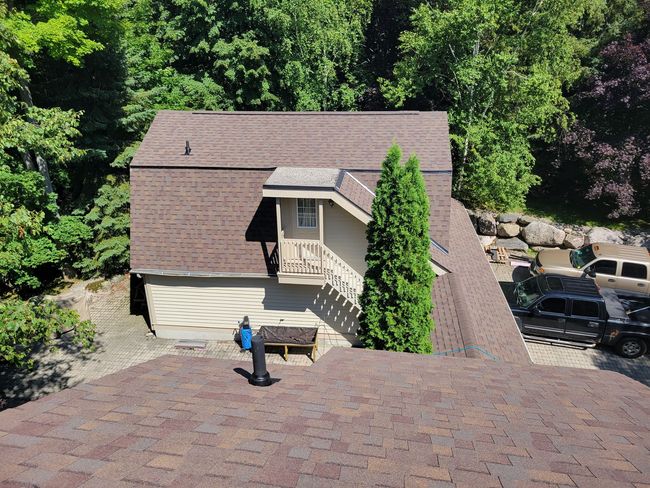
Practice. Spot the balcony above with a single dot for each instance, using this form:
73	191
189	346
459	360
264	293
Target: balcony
310	262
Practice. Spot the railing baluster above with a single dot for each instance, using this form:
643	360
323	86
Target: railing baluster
302	256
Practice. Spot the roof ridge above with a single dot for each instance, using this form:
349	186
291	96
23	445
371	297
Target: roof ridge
310	114
344	172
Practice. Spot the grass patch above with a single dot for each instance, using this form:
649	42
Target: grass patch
573	213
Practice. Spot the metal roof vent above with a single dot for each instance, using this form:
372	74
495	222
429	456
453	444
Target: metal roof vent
188	149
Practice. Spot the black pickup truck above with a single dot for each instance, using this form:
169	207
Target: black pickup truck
576	311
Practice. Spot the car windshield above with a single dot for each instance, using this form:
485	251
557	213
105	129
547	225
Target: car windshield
581	257
527	291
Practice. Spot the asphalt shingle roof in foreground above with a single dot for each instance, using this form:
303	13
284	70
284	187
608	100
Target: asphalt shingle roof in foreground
355	418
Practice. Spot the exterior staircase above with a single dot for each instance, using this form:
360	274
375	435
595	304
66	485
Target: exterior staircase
312	262
342	277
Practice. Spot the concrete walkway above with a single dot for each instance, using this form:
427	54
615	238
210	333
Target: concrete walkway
122	340
554	355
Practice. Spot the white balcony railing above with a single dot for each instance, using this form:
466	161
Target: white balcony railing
301	256
311	257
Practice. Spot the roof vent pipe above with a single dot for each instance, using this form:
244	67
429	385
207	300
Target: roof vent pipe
260	376
188	149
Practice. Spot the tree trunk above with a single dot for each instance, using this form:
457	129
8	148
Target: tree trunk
26	97
45	172
29	162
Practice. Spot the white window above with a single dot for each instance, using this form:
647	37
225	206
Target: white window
306	213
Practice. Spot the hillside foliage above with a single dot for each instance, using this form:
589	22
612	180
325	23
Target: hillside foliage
534	90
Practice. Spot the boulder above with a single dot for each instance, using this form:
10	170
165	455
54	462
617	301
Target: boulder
487	226
508	230
472	217
524	220
508	218
602	234
573	241
513	244
542	248
639	240
542	234
486	241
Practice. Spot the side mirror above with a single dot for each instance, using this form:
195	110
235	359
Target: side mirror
589	271
535	310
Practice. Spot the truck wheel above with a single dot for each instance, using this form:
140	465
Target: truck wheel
631	347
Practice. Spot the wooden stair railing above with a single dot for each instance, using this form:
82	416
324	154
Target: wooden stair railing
342	277
310	257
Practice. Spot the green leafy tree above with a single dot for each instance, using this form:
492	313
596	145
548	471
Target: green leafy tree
55	29
499	68
35	241
109	219
28	253
27	324
396	301
269	54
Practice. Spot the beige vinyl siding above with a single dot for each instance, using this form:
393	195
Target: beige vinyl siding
211	308
346	236
290	221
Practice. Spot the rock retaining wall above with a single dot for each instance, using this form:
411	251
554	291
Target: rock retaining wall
521	232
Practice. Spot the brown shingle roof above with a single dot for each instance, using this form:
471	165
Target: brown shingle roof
486	324
201	220
355	418
331	179
355	191
350	140
205	212
469	298
216	221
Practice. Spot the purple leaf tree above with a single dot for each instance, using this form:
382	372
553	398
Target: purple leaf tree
610	141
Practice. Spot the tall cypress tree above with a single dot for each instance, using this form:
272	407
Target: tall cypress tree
396	301
416	274
377	308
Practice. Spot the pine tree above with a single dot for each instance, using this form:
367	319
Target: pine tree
396	301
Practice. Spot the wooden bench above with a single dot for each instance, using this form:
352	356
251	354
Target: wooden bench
277	335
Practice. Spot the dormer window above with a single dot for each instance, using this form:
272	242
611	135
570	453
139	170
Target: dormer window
306	213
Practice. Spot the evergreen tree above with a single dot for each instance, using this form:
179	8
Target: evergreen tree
396	301
416	277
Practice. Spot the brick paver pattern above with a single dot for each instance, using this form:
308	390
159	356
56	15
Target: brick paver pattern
121	341
355	418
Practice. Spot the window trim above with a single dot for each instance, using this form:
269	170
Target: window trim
558	314
616	268
590	317
315	226
634	264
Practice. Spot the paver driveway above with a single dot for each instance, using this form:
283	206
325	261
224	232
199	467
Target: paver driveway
599	358
121	341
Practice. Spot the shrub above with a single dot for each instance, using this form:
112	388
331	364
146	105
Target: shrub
26	324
